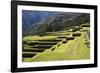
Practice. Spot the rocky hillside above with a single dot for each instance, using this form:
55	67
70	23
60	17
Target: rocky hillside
54	21
32	18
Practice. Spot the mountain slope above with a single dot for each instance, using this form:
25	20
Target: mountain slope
59	22
39	22
31	18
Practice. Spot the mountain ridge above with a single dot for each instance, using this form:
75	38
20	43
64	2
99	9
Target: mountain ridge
56	21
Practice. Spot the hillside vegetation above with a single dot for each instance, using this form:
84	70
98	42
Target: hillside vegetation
71	43
40	22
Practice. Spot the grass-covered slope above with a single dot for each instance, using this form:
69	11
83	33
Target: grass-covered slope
72	44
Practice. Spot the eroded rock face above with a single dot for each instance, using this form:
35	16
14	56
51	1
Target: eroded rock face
58	21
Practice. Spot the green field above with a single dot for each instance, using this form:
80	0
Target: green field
67	44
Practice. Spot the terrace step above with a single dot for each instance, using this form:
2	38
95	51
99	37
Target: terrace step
28	54
33	50
65	41
74	30
85	25
47	43
54	40
25	58
62	37
70	38
32	43
42	46
57	34
76	34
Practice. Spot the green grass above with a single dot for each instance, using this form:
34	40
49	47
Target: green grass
71	50
32	38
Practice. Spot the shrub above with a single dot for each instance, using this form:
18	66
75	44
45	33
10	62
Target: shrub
58	44
53	49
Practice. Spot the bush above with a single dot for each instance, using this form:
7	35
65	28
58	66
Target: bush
53	49
58	44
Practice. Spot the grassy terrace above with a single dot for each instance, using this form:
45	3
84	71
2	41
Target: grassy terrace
64	45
